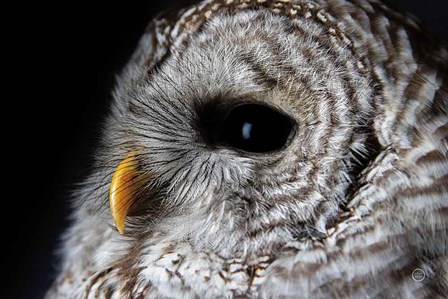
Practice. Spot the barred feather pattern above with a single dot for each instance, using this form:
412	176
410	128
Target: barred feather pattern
350	208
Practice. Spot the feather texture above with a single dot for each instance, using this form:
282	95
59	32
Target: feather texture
355	202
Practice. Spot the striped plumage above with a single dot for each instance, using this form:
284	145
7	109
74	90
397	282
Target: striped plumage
355	202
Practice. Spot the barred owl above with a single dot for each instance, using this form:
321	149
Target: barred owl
269	148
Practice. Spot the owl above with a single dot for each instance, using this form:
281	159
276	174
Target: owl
269	149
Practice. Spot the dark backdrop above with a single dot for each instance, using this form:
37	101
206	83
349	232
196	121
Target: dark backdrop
58	63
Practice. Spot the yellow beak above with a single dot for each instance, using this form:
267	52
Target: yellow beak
126	181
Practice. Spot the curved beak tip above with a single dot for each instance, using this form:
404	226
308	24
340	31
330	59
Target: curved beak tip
125	183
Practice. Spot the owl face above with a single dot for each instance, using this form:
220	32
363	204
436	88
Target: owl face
269	149
249	134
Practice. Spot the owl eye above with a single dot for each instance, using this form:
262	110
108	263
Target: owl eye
255	128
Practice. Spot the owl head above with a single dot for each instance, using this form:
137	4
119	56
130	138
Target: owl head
247	128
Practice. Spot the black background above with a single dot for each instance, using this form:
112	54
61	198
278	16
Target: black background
58	63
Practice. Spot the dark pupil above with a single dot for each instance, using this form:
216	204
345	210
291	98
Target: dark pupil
255	128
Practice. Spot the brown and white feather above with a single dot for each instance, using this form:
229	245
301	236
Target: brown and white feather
355	203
